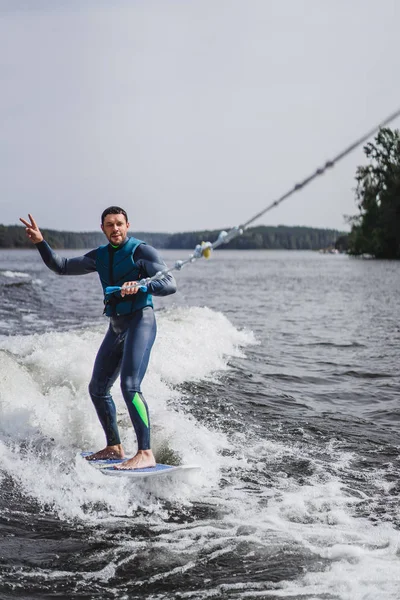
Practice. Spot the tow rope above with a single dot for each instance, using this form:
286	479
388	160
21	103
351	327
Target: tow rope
204	250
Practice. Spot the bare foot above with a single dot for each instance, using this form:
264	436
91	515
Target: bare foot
108	452
142	460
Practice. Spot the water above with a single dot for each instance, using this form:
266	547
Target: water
276	372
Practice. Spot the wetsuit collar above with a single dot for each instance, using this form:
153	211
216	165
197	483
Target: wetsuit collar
115	248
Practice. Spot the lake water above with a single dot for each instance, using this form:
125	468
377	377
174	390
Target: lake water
275	371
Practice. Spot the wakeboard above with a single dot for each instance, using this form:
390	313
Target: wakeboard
107	467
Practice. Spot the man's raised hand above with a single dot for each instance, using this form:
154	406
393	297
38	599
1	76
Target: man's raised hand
32	230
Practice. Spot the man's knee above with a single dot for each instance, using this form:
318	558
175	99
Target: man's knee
97	389
129	387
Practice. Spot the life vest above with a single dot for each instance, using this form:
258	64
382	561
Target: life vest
115	266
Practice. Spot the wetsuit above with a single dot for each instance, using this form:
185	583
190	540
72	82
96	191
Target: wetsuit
126	347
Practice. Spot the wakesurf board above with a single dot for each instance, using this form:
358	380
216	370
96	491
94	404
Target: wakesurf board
107	467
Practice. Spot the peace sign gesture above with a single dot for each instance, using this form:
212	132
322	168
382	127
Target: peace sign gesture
32	230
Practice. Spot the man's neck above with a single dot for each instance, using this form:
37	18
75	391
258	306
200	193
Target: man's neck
116	247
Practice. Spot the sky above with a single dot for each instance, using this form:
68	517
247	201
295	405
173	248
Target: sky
190	114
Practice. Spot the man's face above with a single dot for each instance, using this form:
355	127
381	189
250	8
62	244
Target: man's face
115	228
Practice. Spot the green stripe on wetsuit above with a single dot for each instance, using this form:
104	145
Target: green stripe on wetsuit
141	408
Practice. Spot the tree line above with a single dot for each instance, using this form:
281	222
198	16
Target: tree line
263	238
375	230
254	238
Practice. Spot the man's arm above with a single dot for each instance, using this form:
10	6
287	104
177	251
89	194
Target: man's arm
62	266
79	265
149	262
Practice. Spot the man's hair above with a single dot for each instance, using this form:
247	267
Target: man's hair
113	210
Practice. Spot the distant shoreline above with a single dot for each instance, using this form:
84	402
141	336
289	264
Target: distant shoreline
280	237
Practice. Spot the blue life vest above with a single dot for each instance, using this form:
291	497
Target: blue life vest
115	266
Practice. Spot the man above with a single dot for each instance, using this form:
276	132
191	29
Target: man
126	347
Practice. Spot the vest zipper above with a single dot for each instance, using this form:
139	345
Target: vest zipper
110	265
111	253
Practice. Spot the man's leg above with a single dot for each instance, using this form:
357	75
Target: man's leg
105	372
138	344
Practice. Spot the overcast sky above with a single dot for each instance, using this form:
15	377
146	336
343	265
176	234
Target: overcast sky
190	114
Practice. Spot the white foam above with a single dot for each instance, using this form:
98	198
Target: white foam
43	396
15	274
194	343
361	558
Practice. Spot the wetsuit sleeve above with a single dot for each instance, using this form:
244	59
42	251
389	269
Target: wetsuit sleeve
150	262
80	265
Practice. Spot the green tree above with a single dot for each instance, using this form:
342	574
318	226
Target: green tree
376	230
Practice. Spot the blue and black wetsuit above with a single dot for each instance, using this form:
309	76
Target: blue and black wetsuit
126	348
